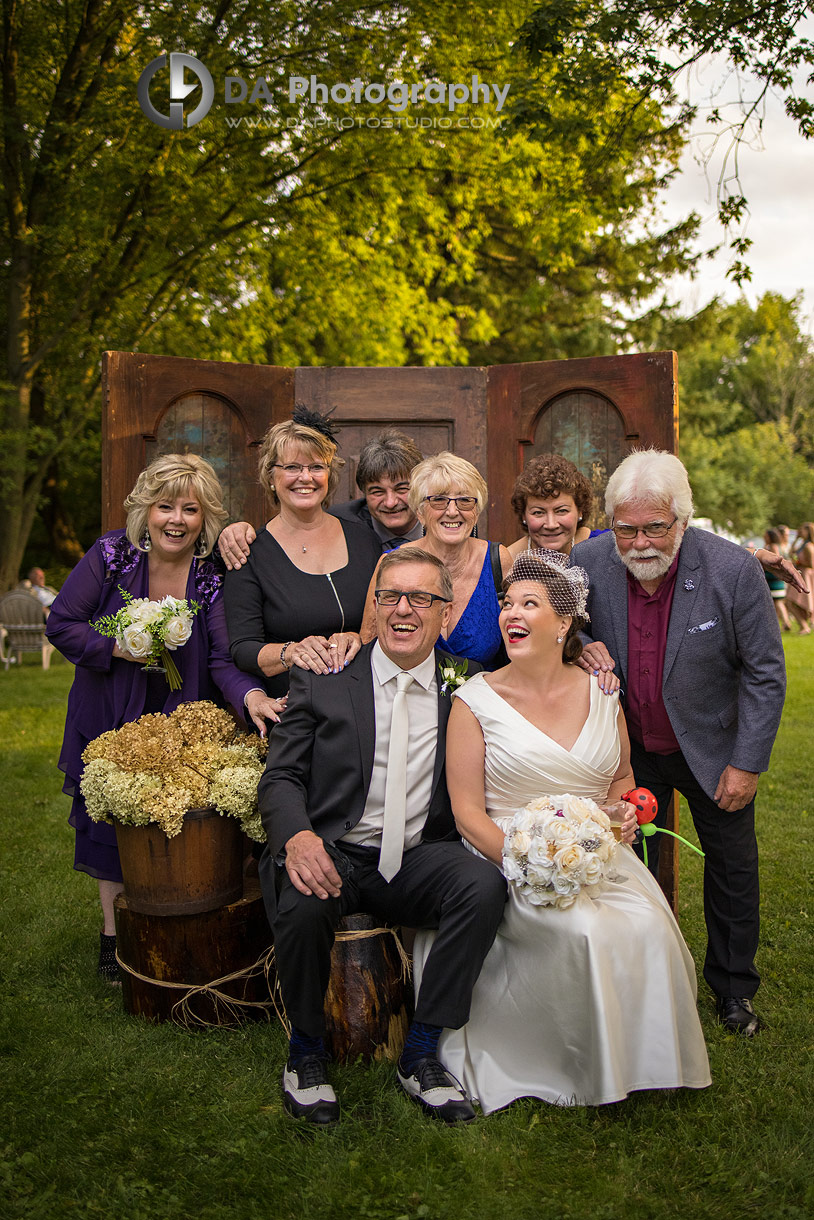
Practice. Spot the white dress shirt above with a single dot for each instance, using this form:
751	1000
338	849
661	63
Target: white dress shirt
422	711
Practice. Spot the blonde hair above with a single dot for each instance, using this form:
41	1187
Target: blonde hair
441	473
167	478
279	436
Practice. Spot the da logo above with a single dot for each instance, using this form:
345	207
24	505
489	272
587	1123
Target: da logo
178	90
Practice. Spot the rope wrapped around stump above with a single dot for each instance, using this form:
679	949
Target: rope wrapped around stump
234	1009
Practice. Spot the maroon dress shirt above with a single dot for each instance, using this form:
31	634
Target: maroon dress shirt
648	617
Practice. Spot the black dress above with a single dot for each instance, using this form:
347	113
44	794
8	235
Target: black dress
269	600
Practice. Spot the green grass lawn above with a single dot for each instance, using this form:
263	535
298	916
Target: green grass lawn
106	1115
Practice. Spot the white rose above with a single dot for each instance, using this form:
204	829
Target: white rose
593	870
540	874
570	859
512	871
521	842
177	631
144	612
561	832
136	640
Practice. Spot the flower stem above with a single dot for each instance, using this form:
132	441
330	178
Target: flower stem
173	676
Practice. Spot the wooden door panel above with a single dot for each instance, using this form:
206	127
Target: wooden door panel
166	404
593	411
440	408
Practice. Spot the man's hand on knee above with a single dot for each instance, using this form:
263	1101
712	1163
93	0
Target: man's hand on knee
310	867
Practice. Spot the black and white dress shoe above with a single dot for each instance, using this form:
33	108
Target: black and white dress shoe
306	1092
437	1091
738	1016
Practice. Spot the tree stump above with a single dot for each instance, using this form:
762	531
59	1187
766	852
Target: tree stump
369	1000
177	954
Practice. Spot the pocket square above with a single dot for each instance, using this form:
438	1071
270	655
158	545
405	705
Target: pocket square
708	626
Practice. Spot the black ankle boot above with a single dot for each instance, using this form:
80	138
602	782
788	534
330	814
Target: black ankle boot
108	967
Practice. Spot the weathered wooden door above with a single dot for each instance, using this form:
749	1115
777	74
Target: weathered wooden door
592	411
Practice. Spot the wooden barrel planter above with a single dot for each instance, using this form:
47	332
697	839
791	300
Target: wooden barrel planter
166	958
369	1000
195	871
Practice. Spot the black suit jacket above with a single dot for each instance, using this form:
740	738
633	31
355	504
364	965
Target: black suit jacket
320	759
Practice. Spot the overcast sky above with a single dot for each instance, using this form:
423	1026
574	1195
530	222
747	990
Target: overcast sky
777	175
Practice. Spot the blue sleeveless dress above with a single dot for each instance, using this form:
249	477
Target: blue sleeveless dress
476	634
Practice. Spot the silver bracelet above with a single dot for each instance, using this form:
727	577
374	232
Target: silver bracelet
282	654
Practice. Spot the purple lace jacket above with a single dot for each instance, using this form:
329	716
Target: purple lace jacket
107	692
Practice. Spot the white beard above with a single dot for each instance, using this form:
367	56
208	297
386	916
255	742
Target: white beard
652	570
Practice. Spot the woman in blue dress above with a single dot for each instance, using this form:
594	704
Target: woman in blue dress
447	494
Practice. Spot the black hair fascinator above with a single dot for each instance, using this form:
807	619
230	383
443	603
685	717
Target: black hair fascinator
312	419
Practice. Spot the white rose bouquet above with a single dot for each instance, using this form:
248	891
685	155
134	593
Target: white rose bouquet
150	631
557	846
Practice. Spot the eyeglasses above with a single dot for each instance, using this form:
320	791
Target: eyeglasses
295	468
417	598
465	504
653	529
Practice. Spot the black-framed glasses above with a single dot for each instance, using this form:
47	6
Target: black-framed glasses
653	529
417	598
292	468
465	504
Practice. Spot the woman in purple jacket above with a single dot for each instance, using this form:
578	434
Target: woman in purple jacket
174	514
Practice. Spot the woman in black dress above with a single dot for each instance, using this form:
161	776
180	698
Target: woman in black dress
299	598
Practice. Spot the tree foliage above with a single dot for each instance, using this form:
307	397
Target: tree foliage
746	399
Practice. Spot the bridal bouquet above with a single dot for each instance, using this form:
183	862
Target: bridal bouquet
151	630
557	846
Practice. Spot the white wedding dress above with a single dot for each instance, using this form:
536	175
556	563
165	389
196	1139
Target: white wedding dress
579	1006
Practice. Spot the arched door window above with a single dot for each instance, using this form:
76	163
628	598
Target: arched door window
586	428
210	426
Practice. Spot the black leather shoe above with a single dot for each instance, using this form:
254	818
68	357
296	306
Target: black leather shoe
436	1090
306	1092
737	1015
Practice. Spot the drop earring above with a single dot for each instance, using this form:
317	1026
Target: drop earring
200	546
145	541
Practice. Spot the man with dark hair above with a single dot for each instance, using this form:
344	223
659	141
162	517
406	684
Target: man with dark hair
383	477
357	817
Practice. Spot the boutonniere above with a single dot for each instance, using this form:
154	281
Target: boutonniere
453	674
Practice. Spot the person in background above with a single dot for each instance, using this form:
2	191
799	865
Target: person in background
688	619
553	501
299	598
447	494
383	477
43	593
174	513
801	604
777	586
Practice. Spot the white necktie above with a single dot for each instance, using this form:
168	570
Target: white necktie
395	789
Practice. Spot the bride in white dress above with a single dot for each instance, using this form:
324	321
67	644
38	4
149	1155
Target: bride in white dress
584	1005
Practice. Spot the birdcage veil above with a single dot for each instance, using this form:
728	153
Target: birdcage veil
566	586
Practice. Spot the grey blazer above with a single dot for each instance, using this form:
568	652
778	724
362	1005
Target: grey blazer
724	677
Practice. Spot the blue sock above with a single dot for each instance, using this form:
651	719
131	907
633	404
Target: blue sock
301	1044
421	1040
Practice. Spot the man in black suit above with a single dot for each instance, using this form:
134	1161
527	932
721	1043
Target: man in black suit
358	818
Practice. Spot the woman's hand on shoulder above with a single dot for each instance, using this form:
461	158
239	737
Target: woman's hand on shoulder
325	656
261	707
234	543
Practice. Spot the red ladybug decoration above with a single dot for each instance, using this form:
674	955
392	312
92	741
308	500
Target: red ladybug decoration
646	804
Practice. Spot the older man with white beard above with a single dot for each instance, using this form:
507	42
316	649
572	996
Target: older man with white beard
686	618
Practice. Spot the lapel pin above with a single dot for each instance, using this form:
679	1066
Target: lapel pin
689	585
